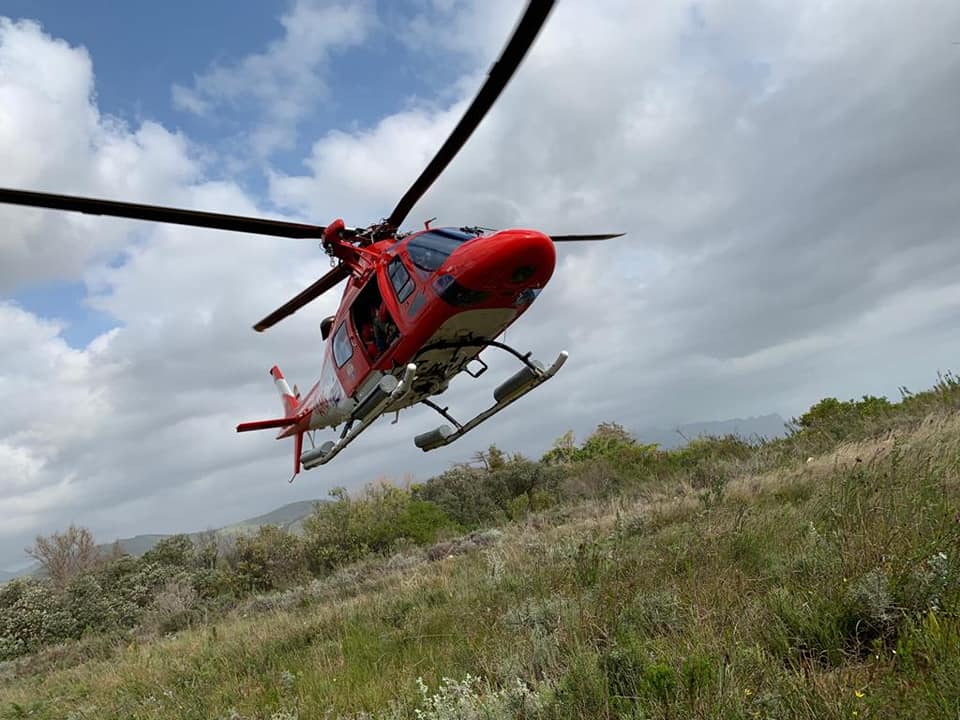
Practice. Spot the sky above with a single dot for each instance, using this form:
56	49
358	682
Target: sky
786	175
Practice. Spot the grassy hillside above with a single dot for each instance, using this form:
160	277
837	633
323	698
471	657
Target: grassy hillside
812	577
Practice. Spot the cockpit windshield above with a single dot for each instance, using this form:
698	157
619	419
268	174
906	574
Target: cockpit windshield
428	250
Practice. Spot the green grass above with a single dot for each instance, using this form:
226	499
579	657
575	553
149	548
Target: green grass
827	588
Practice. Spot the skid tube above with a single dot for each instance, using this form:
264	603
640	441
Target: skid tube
530	377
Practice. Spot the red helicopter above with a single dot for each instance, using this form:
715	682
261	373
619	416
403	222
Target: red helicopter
418	307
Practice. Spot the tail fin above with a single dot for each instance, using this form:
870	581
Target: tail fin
290	401
288	423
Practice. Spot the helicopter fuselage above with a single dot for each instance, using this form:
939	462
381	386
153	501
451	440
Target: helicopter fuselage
433	298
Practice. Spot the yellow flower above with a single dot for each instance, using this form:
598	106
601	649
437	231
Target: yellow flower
859	694
748	692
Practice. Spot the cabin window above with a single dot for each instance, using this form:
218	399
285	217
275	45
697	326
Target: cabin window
342	348
400	279
428	250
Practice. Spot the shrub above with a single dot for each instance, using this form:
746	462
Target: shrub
269	559
624	665
91	607
421	522
835	420
502	489
698	673
176	550
32	614
172	607
132	584
518	507
383	518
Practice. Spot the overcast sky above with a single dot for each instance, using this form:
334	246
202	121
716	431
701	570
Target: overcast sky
787	174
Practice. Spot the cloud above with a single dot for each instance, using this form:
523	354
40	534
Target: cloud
282	83
55	139
786	176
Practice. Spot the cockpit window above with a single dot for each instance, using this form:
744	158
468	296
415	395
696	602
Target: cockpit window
400	279
342	348
429	250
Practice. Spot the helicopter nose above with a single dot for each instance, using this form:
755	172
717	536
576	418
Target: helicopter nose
507	260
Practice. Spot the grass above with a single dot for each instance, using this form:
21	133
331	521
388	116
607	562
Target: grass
820	588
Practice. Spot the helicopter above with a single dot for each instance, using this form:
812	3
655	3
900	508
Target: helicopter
418	308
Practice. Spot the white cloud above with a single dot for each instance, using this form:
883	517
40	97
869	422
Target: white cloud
283	82
54	139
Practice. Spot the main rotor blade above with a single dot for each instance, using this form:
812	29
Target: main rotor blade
194	218
327	282
578	238
500	74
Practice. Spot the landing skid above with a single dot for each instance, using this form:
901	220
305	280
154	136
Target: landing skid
384	394
515	387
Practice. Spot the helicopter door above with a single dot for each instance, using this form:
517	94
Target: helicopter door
375	326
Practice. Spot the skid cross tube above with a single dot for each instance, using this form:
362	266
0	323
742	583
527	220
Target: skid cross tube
443	412
541	375
482	344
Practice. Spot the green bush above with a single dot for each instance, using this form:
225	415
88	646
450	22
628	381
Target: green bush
382	519
176	550
270	559
92	608
624	665
699	673
463	494
474	497
32	614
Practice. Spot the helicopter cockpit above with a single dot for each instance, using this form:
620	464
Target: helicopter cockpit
428	250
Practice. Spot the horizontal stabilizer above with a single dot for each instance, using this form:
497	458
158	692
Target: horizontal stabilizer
267	424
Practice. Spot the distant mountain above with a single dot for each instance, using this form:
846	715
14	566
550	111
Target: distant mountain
289	517
749	429
136	545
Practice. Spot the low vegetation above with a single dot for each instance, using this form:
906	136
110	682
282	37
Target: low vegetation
811	576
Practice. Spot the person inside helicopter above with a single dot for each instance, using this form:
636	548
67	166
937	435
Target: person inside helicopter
375	328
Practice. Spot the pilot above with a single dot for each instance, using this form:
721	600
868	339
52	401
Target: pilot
368	340
381	327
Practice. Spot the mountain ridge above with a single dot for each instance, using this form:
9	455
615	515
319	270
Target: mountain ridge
750	429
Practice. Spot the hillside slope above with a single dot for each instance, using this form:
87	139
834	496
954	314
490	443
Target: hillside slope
289	516
824	587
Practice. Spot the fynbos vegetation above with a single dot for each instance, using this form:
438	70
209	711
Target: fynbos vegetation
813	576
